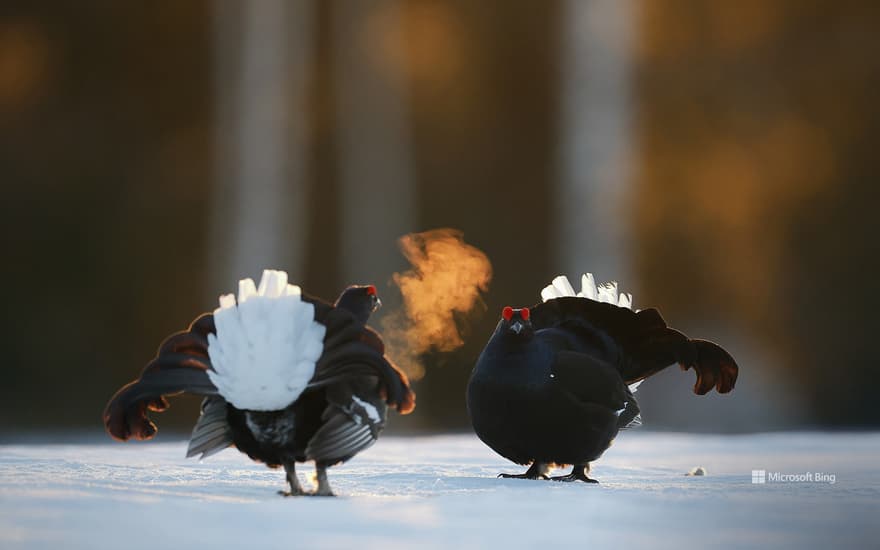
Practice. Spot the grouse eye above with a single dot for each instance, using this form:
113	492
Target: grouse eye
371	290
525	313
507	313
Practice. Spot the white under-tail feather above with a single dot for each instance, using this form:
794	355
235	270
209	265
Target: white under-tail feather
606	292
266	346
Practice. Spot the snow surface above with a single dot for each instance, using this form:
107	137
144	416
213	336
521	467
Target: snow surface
441	492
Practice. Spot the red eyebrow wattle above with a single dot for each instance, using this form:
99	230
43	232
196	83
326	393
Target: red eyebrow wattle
507	313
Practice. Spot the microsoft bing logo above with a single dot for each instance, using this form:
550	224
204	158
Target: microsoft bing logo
761	477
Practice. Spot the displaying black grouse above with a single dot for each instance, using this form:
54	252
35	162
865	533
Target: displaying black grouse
287	377
555	382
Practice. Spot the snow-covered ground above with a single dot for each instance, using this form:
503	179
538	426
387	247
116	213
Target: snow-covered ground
441	492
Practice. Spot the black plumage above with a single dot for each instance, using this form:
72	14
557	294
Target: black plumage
341	411
551	386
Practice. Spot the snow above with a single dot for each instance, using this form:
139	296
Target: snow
441	492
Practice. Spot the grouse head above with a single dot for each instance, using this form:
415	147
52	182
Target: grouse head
361	300
517	322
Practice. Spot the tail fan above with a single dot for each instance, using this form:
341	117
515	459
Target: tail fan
605	293
266	346
644	334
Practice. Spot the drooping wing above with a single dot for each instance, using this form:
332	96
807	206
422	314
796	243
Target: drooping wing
352	350
589	379
645	336
212	432
351	422
180	365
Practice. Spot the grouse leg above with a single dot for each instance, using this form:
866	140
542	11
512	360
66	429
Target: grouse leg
323	489
578	473
292	480
538	470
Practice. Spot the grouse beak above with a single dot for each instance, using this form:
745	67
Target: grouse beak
377	303
516	327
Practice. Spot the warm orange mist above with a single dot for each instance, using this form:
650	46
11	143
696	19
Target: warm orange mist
446	279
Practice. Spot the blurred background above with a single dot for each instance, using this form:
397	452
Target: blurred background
717	158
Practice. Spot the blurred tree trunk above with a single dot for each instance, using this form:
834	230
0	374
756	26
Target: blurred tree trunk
591	200
260	214
376	190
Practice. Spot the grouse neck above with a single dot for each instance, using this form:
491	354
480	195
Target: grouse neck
516	359
517	339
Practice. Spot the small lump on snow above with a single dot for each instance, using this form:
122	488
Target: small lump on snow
697	471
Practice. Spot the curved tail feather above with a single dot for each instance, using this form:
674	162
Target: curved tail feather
658	346
714	367
168	374
181	365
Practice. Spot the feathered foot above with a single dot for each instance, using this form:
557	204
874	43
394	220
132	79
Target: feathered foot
578	473
538	470
323	489
296	489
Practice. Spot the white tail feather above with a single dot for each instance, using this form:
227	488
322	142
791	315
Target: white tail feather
563	286
588	286
549	293
266	346
606	292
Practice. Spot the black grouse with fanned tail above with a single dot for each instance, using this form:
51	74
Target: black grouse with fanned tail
286	377
555	382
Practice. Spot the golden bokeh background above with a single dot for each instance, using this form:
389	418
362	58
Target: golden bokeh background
741	192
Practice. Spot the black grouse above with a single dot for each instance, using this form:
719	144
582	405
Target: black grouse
286	377
555	382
